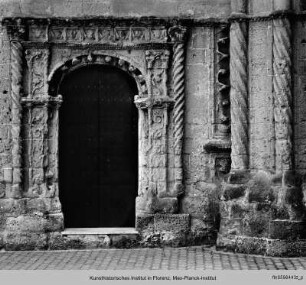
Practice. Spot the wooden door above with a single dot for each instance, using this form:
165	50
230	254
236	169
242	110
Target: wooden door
98	148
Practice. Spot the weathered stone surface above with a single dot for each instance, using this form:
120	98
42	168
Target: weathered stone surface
231	226
201	232
256	224
231	192
287	230
12	207
145	222
24	224
260	189
264	246
196	205
239	177
119	8
250	245
286	248
155	204
58	242
172	228
55	222
25	241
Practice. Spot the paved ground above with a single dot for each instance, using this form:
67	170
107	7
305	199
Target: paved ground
191	258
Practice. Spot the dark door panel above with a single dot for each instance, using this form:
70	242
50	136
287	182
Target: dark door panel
98	148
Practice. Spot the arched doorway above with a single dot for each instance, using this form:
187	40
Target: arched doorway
98	148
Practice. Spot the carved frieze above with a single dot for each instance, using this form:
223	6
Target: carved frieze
38	33
98	34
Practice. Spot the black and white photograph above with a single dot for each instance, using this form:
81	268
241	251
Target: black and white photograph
152	141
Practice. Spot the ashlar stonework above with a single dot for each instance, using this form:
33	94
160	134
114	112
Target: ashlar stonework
221	128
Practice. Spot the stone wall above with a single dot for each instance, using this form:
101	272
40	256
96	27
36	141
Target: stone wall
245	207
115	8
258	201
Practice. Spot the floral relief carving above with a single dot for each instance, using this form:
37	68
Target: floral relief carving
37	64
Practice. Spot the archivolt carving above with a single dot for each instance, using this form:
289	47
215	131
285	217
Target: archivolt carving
92	58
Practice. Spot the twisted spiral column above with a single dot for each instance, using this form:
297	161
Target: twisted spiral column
178	115
282	93
239	95
16	81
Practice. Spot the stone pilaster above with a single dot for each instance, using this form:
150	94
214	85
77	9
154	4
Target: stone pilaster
239	87
155	196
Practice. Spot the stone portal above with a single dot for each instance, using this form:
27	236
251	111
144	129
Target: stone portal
98	147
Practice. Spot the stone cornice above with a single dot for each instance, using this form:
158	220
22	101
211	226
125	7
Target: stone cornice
154	21
241	17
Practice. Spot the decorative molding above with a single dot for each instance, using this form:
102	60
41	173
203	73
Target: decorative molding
159	102
282	85
222	75
178	35
43	101
239	95
217	146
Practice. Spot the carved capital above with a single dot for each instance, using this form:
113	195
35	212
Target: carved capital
177	34
149	102
157	59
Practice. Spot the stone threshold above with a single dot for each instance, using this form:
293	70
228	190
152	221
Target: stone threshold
99	231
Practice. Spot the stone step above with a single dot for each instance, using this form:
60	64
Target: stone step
90	238
100	231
